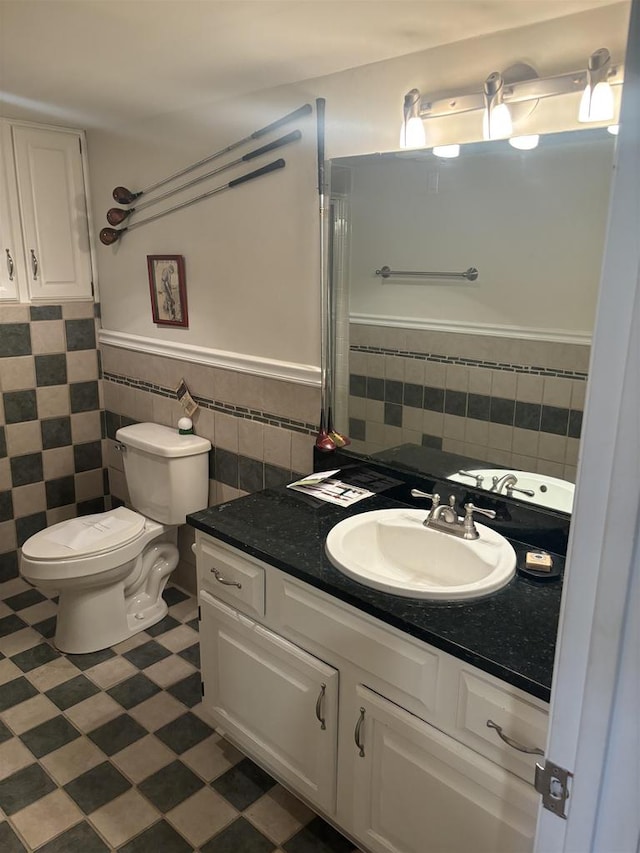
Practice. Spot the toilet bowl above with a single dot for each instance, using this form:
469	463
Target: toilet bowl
110	569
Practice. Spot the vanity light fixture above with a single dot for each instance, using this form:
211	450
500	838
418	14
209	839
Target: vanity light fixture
496	121
614	129
511	95
525	143
447	151
596	103
412	134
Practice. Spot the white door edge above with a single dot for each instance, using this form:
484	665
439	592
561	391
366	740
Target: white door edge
601	560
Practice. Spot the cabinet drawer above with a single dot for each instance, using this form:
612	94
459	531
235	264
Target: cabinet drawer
482	700
231	578
407	672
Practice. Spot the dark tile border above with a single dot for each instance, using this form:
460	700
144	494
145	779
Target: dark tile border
216	405
472	362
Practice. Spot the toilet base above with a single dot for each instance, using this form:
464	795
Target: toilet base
96	618
91	619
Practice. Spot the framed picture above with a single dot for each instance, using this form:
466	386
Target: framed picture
168	290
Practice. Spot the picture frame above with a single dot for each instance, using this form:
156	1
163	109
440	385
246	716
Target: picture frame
168	289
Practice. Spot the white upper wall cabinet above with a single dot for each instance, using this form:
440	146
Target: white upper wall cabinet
44	166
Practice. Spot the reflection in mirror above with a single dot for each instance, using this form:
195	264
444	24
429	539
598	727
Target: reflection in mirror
447	374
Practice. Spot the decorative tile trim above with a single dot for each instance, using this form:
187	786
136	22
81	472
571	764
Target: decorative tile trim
473	362
216	405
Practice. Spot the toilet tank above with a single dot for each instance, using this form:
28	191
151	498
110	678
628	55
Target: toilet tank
167	473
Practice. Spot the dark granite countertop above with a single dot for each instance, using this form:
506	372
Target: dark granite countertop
510	634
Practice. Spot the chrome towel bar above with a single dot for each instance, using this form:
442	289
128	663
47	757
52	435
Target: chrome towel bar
470	275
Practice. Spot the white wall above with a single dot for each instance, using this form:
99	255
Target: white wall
532	223
252	253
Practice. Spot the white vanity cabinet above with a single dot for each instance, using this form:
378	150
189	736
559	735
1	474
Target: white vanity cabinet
406	762
43	218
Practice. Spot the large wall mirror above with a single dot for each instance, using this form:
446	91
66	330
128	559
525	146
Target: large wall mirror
480	379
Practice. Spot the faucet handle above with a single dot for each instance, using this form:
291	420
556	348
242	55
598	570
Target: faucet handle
470	530
470	508
477	477
416	493
434	498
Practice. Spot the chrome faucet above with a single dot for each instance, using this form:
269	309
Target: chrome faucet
505	482
508	483
444	517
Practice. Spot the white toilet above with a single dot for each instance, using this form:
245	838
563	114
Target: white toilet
110	569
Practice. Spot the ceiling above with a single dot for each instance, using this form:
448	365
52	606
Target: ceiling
102	63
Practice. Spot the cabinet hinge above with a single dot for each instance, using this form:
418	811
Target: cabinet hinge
93	290
553	783
202	687
199	613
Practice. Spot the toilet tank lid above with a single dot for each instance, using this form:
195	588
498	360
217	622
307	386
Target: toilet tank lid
162	440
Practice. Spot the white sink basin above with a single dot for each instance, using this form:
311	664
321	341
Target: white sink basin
392	550
549	492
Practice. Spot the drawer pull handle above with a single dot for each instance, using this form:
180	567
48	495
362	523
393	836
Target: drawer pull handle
220	579
356	735
319	702
531	750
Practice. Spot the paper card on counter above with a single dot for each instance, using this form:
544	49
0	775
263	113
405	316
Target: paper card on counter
326	488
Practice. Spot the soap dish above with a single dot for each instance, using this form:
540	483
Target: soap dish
536	574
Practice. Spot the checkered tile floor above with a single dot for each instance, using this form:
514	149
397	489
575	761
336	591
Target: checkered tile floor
112	751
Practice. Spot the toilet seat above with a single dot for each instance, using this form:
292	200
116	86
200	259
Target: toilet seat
45	560
86	536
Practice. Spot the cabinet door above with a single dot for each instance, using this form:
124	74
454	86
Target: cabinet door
53	211
415	789
10	245
273	699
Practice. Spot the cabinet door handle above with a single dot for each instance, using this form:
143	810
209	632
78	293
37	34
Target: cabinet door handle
222	580
356	734
514	744
319	703
34	263
10	265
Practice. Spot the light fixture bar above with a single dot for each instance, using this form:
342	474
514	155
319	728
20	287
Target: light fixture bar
525	90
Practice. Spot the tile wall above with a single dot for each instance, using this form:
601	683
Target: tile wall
262	430
509	401
51	426
58	419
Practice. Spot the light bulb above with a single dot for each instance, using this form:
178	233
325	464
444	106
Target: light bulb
447	151
525	143
500	125
614	129
412	133
596	105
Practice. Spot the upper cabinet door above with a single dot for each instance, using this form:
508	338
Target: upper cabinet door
10	243
51	194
